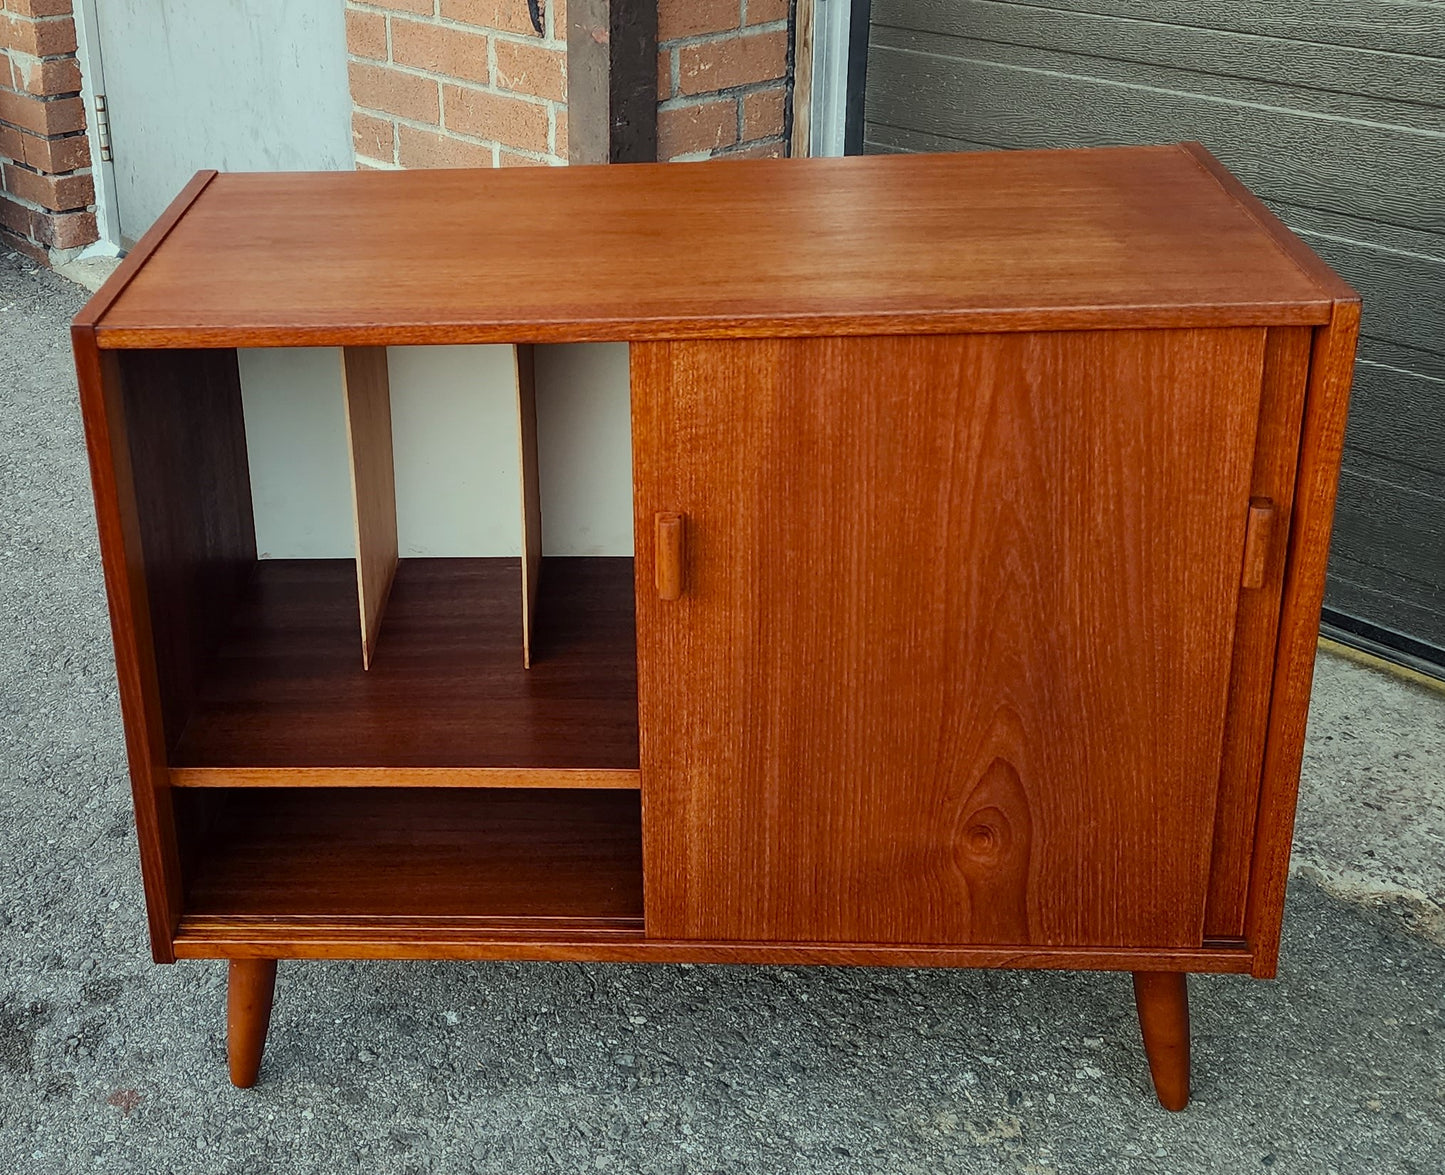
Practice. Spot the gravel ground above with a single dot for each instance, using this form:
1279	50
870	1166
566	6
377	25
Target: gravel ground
114	1064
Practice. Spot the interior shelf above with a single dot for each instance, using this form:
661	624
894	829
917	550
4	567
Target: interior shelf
544	859
286	692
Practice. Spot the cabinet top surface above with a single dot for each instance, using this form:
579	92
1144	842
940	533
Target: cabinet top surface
1020	240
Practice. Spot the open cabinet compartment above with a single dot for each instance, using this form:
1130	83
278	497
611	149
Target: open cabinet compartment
260	662
474	859
273	718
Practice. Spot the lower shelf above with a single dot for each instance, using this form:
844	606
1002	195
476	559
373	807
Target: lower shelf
541	859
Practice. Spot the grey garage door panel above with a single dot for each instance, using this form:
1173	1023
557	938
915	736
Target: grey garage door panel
1429	365
1366	592
1387	408
1375	512
887	140
1404	292
1388	173
1387	557
1400	26
1168	78
1394	76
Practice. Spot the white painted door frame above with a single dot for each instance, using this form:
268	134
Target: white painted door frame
92	83
838	48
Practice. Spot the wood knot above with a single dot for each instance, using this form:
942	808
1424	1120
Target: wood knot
986	837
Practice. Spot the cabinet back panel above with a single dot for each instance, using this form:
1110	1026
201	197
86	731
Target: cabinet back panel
455	445
951	660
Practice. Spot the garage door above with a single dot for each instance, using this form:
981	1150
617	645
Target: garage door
1333	111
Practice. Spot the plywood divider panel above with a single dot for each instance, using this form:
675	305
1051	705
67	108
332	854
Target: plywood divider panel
531	493
373	484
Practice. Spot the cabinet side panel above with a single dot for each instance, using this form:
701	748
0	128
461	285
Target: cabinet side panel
951	659
1286	368
187	444
122	557
1322	439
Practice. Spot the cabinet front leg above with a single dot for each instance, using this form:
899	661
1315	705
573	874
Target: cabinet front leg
250	989
1162	998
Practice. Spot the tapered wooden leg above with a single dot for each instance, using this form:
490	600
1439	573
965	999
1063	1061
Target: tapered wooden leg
252	984
1162	998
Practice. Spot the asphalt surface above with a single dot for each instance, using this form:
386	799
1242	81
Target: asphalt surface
111	1063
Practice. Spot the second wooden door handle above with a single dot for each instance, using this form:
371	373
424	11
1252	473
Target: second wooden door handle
1258	535
670	554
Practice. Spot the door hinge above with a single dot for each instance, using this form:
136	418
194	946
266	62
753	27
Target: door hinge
102	127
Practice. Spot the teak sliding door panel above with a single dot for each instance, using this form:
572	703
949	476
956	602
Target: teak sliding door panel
950	655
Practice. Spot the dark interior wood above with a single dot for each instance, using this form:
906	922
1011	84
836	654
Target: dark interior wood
193	502
446	687
419	853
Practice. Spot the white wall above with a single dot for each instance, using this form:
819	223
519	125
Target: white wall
454	440
584	449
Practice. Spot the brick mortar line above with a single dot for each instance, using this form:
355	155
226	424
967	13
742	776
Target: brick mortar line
452	80
748	145
683	101
44	138
481	30
737	34
446	22
380	164
41	97
55	175
68	55
416	124
46	97
21	202
433	129
60	138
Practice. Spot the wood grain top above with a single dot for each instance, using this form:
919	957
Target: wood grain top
1024	240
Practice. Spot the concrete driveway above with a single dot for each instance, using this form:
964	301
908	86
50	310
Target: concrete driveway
113	1064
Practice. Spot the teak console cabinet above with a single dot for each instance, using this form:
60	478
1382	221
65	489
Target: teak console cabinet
982	504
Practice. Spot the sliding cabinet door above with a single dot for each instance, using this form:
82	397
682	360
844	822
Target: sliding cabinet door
934	633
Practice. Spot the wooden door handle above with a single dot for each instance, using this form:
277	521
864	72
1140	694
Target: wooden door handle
670	554
1258	533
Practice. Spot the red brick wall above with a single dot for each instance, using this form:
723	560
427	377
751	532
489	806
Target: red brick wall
470	83
721	77
47	195
456	83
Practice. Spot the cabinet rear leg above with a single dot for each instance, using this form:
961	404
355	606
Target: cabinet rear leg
250	988
1162	998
